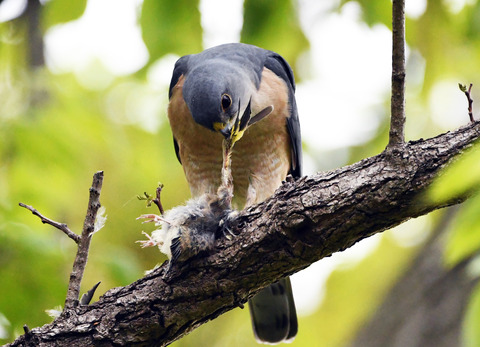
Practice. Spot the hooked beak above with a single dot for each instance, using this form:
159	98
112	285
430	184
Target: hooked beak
227	131
234	129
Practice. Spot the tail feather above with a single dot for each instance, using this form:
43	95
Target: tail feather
273	313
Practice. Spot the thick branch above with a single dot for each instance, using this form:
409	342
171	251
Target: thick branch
397	121
303	222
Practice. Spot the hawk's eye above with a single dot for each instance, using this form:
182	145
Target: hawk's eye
226	101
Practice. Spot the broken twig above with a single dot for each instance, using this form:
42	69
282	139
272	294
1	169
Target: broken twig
83	246
60	226
157	200
467	92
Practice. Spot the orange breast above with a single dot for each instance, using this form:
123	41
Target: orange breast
260	159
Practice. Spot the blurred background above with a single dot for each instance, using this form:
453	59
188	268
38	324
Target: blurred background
84	85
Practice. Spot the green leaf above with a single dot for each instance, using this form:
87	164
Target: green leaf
171	27
374	11
62	11
464	239
458	178
274	25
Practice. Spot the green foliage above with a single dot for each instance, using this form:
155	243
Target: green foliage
374	11
464	239
27	261
274	25
62	11
171	27
47	159
461	177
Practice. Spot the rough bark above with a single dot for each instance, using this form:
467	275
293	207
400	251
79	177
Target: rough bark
303	222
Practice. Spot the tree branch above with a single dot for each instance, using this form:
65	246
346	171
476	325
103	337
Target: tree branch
80	261
82	241
303	222
397	119
467	93
60	226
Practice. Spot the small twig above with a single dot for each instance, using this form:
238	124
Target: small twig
397	123
26	329
468	94
60	226
83	246
157	200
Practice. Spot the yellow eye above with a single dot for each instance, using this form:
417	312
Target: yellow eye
226	101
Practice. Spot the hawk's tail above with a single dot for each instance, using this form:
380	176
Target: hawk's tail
273	313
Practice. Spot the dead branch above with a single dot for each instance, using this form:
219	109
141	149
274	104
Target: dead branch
80	261
60	226
82	241
397	119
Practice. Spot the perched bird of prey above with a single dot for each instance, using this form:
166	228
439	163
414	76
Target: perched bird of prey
243	94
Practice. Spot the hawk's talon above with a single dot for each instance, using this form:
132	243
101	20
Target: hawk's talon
227	225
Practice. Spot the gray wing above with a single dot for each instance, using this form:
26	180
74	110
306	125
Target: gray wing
181	67
281	68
